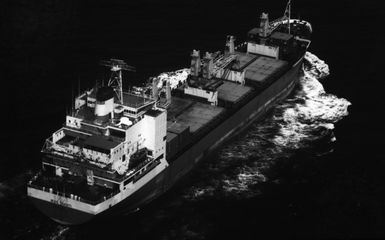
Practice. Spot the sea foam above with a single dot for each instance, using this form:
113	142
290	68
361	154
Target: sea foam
298	122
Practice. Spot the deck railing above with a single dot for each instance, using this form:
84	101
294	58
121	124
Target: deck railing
51	190
132	177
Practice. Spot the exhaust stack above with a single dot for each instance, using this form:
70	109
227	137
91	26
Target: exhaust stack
155	82
264	25
208	66
195	63
168	92
230	44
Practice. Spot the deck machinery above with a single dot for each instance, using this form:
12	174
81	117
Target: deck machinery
118	150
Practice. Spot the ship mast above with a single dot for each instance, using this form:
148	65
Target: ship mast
115	80
287	14
272	25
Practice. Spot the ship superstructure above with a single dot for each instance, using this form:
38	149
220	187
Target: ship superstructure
120	149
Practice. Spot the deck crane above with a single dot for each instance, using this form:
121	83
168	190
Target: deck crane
221	62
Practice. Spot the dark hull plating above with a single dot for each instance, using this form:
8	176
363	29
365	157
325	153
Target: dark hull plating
247	114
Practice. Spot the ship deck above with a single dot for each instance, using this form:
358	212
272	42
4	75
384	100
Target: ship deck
135	101
189	119
232	92
177	106
196	116
72	185
243	60
264	68
94	142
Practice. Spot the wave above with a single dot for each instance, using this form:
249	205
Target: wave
298	122
58	233
3	188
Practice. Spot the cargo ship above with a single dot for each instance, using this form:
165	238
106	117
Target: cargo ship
118	149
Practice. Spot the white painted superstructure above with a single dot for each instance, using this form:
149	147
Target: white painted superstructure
113	139
119	149
265	50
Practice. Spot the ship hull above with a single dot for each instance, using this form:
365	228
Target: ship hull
61	214
180	166
249	113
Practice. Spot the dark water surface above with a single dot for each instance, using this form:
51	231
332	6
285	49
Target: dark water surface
312	168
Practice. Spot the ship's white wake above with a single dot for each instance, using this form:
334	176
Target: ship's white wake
311	110
298	122
14	204
58	233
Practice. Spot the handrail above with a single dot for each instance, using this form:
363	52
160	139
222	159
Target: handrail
73	197
132	176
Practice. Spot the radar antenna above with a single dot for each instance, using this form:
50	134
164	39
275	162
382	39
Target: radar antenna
115	81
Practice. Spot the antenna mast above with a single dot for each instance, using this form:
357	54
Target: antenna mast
115	81
287	14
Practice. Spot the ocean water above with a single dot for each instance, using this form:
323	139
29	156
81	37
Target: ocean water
312	168
237	172
301	121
